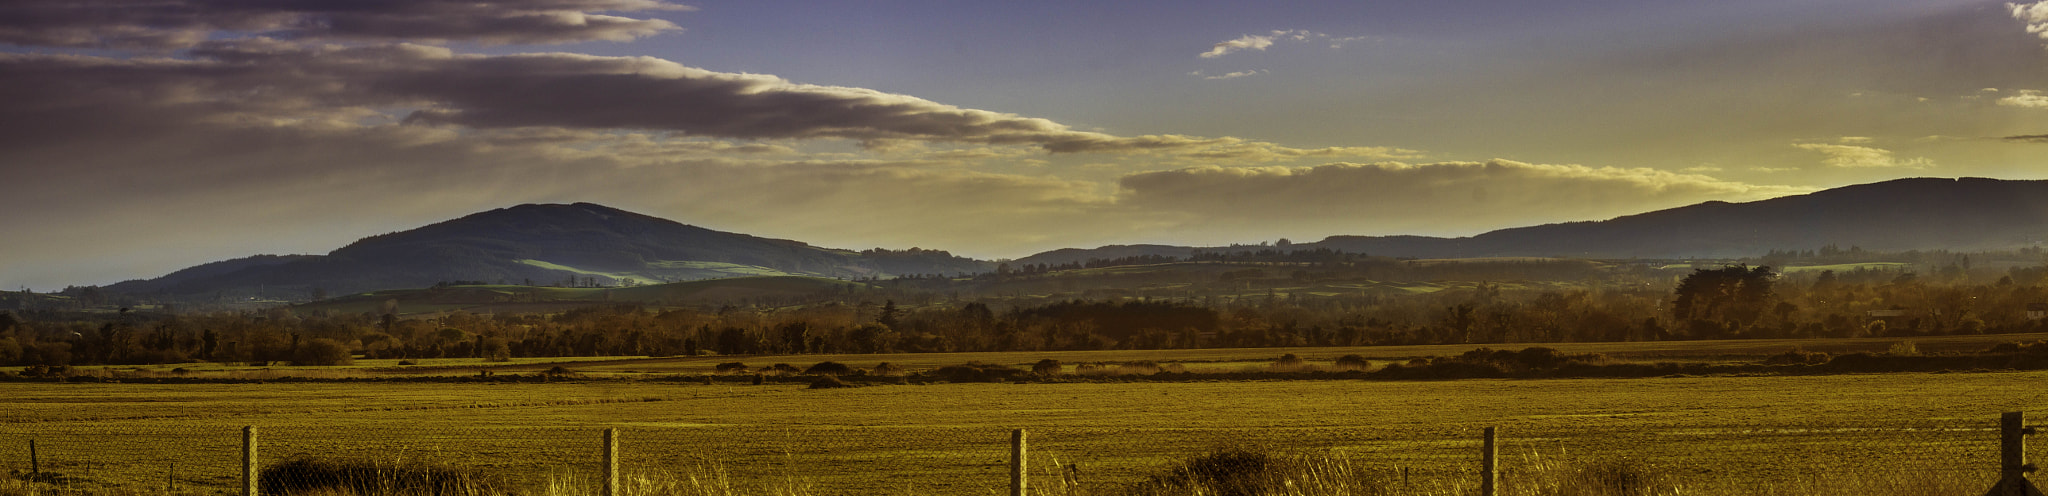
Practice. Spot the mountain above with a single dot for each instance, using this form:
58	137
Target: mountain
542	244
1897	215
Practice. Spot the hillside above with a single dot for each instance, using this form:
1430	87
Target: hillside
514	298
1898	215
541	245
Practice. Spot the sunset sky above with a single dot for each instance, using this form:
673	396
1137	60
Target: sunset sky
141	137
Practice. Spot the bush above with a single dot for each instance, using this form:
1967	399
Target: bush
830	382
558	371
1225	472
1353	362
313	476
829	368
976	372
1047	367
731	368
1904	348
323	352
886	368
1289	363
1142	367
1798	356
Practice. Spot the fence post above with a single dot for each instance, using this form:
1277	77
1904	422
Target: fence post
35	466
611	461
1017	476
2012	457
249	461
1489	473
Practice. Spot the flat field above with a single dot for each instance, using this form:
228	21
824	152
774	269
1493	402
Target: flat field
952	438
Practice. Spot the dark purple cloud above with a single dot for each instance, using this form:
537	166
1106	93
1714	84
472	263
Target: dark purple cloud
173	24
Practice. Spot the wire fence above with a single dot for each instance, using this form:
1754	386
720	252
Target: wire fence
516	455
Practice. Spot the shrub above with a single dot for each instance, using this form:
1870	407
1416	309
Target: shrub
829	368
1904	348
830	382
1225	472
1353	362
1798	356
1142	367
314	476
1289	363
731	368
886	368
323	352
558	371
976	372
1047	367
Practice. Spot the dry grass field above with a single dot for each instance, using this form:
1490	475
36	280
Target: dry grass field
1710	435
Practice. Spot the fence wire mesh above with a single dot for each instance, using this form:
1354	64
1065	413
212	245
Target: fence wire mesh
517	455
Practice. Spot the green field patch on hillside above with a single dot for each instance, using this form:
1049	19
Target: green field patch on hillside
1847	267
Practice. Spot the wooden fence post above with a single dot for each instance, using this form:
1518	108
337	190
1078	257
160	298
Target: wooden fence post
1017	475
35	466
2012	457
1489	473
611	461
249	461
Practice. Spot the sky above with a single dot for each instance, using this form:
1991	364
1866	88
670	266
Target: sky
139	137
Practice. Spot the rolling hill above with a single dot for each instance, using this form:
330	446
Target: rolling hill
1897	215
542	245
550	244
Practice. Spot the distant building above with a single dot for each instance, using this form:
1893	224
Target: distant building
2037	311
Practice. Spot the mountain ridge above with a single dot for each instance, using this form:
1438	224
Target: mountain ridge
580	243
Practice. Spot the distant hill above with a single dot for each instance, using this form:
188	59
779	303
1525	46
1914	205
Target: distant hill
542	245
516	299
1898	215
547	244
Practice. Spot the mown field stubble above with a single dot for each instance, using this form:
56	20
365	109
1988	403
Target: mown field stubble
1713	434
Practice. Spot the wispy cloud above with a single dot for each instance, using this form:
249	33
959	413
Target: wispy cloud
1233	75
2026	99
1258	42
1850	156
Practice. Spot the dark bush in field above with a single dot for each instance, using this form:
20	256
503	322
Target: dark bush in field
731	367
886	368
323	351
1353	362
558	371
976	372
1141	367
829	368
1225	472
1047	367
314	476
1798	356
830	382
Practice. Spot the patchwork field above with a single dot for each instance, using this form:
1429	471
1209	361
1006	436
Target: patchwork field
1705	432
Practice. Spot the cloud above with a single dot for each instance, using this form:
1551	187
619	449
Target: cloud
1439	198
1260	43
1848	156
1233	75
2026	99
2034	14
173	24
